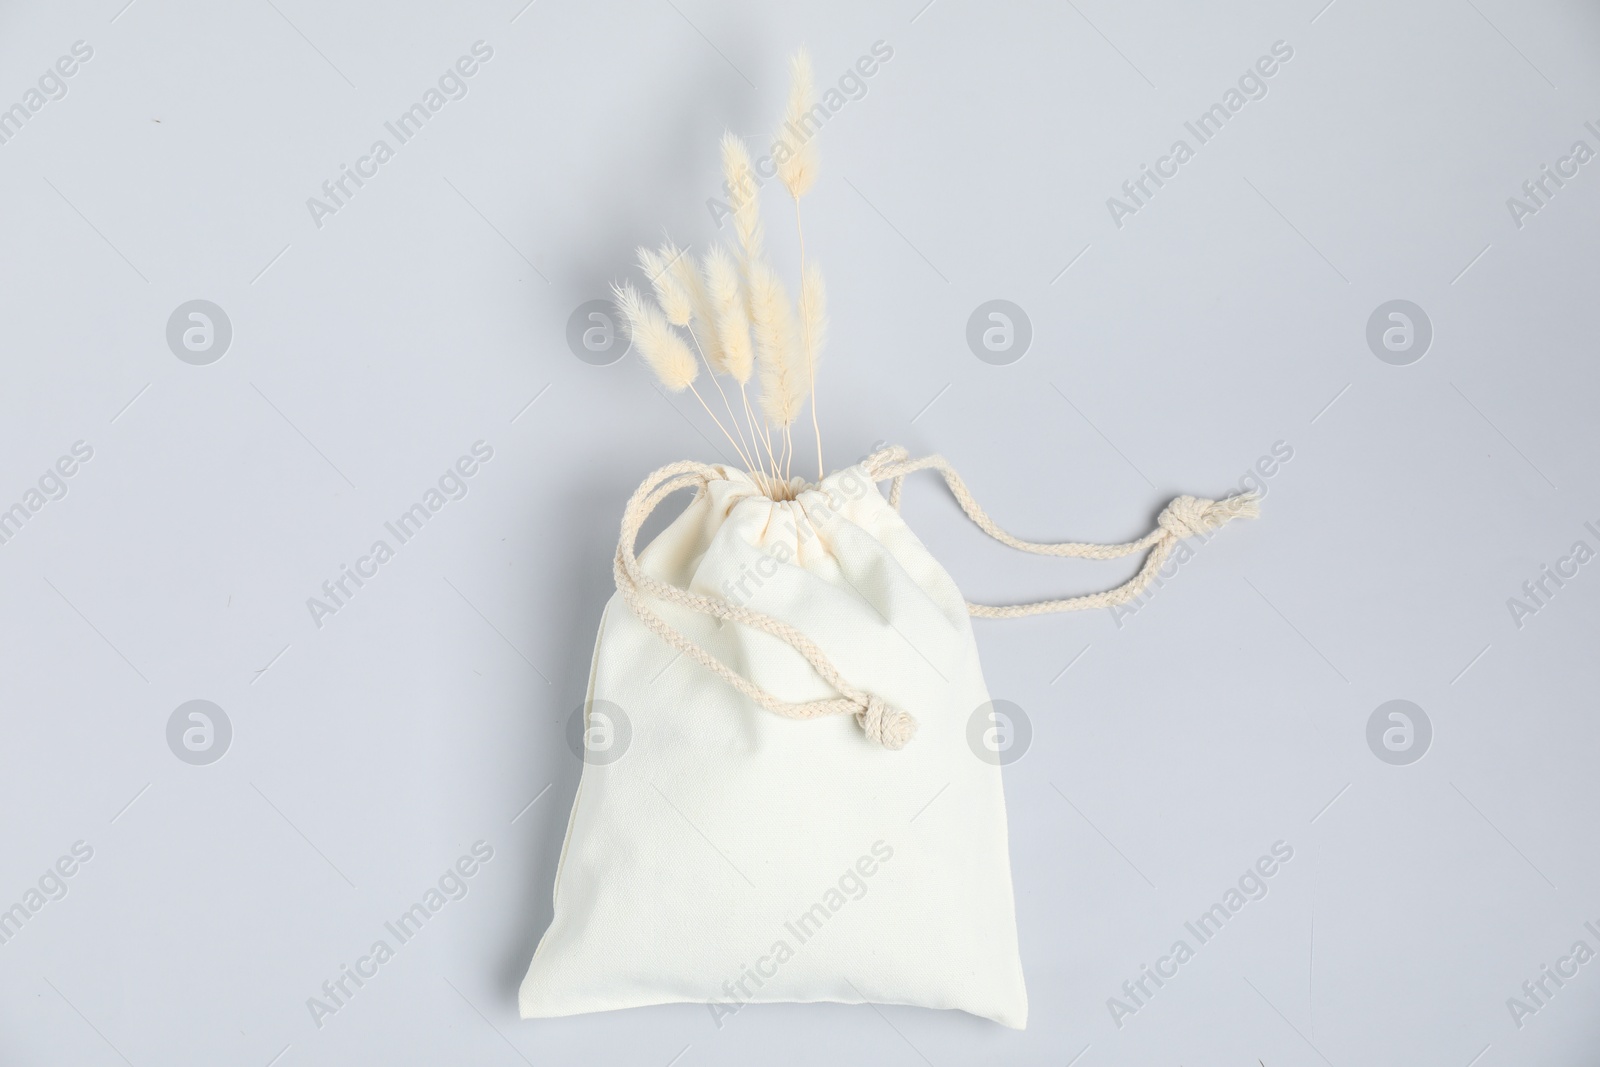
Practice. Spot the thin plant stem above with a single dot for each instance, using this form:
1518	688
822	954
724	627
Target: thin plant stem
777	457
811	362
718	421
744	455
764	436
755	433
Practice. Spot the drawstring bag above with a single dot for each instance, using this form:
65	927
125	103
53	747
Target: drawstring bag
787	791
797	813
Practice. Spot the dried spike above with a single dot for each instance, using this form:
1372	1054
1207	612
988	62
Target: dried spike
662	349
796	150
743	191
657	267
703	320
733	318
783	380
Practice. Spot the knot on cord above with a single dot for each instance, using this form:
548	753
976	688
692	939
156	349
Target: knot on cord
884	458
886	724
1188	516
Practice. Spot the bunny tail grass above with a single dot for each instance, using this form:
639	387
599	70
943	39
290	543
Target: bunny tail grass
729	302
669	290
695	313
723	287
778	364
659	344
703	317
796	150
740	175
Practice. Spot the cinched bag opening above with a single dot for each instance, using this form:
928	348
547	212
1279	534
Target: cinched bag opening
889	726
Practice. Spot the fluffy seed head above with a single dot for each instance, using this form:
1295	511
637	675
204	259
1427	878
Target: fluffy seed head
743	186
728	303
796	148
659	344
703	321
657	267
783	379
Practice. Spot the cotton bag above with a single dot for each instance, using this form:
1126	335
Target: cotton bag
786	794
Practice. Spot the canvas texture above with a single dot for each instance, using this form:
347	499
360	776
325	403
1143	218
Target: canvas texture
718	853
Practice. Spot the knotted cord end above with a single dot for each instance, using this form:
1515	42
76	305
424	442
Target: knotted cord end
887	725
1188	516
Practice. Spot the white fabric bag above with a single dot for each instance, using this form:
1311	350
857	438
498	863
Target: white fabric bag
779	800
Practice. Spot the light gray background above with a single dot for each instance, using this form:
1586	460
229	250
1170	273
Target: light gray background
1168	356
